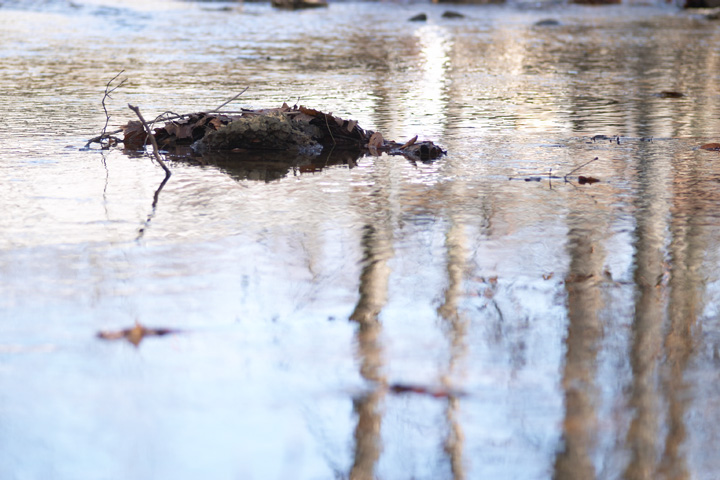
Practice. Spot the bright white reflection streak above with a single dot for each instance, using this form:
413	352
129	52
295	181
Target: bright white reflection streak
428	100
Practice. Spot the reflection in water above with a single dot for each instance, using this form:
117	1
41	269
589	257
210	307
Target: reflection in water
582	284
456	328
430	98
647	324
687	248
376	243
267	166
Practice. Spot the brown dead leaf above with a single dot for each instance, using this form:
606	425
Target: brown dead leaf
215	122
309	111
548	276
180	131
711	146
376	140
409	142
303	117
134	135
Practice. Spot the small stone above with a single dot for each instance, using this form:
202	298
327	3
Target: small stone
451	14
548	22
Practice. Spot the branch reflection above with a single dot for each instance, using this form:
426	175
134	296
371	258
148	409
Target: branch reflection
376	244
650	218
579	429
456	328
688	245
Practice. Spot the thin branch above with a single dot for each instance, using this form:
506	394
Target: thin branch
152	140
232	99
102	137
578	168
108	91
329	131
176	116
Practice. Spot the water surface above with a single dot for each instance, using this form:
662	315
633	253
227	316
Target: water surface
543	328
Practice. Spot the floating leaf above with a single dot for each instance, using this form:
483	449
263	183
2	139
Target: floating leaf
135	334
583	180
433	392
711	146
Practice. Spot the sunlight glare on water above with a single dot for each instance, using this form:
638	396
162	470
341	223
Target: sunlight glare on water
489	314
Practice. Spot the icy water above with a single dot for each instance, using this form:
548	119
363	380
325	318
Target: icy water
468	318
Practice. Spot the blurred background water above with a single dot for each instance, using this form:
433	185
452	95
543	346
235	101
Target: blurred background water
544	329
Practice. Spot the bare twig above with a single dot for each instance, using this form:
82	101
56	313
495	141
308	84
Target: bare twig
329	131
175	116
232	99
578	168
106	96
152	140
103	136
